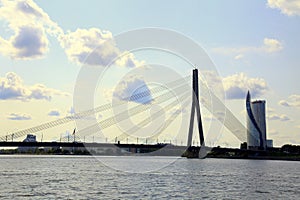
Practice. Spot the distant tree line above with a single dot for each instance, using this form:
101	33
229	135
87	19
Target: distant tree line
289	148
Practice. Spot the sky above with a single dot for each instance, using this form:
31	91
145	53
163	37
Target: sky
44	45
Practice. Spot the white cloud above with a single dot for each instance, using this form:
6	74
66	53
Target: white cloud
55	113
130	87
238	57
292	101
12	87
278	117
288	7
17	116
210	78
272	115
270	45
237	85
40	91
95	47
210	81
29	42
29	25
270	110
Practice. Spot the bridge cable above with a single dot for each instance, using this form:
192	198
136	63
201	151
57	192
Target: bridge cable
132	111
88	112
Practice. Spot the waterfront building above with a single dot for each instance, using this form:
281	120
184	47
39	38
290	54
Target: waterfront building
270	143
256	123
29	138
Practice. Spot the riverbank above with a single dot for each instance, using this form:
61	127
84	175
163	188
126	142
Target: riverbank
286	152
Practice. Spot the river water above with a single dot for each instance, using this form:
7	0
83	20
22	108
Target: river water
76	177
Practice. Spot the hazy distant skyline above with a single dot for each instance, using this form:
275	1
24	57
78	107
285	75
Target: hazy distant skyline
254	45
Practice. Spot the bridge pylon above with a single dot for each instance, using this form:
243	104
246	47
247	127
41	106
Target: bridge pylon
195	110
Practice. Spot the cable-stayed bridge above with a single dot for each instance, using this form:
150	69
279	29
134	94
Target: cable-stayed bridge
160	95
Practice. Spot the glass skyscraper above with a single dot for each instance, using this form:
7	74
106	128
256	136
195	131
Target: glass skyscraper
256	123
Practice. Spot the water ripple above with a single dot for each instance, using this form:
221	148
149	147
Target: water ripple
73	177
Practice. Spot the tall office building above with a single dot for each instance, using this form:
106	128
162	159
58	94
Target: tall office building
256	123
